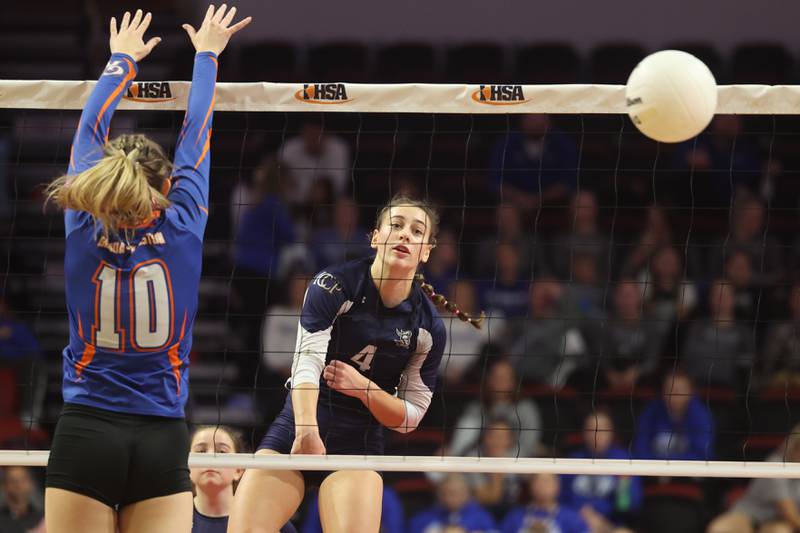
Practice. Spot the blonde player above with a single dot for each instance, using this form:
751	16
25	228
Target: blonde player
134	237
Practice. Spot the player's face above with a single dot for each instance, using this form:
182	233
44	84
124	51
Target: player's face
402	239
211	440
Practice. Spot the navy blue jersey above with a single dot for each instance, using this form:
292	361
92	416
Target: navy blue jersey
132	299
399	349
219	524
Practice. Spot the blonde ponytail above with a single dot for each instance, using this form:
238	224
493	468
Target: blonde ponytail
123	189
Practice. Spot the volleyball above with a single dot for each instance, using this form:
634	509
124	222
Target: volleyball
671	96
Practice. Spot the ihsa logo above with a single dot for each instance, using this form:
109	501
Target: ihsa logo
323	93
499	95
149	91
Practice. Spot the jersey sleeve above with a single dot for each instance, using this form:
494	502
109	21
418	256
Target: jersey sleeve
189	193
325	300
418	380
91	134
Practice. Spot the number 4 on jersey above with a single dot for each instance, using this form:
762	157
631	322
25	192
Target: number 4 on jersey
364	358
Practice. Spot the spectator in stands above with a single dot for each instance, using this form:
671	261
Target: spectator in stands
665	287
585	292
747	234
585	239
497	492
500	399
510	230
455	509
269	175
668	297
265	229
20	357
534	166
315	153
768	505
317	212
547	346
392	518
606	503
656	234
507	294
675	426
739	271
719	350
631	342
279	331
727	161
543	513
17	510
345	240
465	345
440	270
780	360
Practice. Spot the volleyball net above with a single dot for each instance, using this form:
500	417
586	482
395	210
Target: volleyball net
622	279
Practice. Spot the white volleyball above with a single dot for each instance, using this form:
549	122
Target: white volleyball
671	96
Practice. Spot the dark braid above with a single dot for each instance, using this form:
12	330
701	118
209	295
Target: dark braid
442	302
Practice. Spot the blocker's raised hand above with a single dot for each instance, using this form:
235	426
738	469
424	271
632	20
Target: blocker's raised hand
129	38
216	30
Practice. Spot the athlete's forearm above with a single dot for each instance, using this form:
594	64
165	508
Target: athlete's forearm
304	402
387	409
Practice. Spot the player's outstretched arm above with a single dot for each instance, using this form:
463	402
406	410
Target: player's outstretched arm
127	45
192	154
216	29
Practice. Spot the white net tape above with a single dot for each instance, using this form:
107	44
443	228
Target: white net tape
398	98
388	463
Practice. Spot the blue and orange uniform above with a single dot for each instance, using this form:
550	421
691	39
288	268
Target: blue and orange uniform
132	299
399	349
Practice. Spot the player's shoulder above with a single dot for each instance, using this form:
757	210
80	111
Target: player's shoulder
347	277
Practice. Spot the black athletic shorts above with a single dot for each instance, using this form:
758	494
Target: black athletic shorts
118	458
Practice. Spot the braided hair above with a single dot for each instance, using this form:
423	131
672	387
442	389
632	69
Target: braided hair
443	303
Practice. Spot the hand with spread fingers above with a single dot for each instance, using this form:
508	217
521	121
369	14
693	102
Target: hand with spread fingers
216	29
129	37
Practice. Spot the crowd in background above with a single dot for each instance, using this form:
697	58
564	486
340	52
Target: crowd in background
643	341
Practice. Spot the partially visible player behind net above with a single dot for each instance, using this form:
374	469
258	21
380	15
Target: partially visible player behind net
134	229
369	344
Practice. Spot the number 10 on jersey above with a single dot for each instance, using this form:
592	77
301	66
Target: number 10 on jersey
149	304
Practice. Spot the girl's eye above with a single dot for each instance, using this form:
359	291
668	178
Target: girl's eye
418	233
395	225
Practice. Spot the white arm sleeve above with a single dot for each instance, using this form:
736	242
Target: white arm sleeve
310	351
412	389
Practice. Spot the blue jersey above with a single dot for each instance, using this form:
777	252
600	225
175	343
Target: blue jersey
608	495
132	299
561	520
659	436
471	518
399	349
